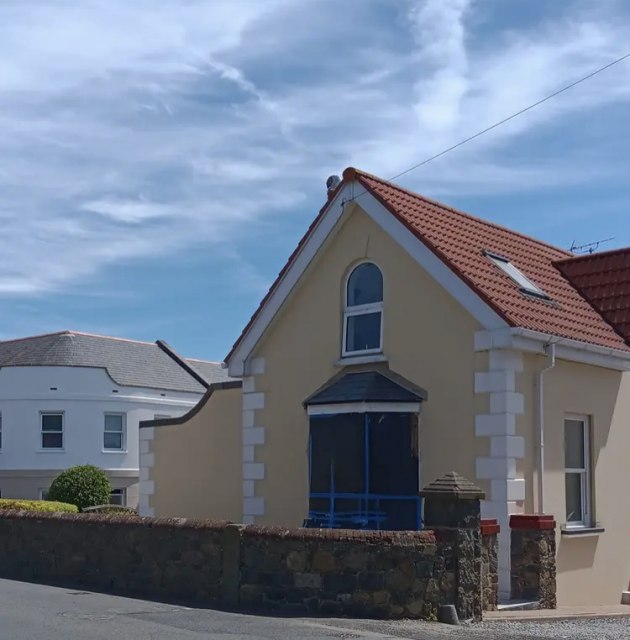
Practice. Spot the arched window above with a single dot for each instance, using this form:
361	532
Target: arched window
363	311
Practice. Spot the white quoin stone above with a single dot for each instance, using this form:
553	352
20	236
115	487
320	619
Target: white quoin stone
496	468
496	424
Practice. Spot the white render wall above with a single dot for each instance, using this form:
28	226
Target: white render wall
84	395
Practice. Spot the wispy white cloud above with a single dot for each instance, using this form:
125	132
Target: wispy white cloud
130	211
460	89
439	31
135	129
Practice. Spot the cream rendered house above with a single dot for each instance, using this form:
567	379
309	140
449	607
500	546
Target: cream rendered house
404	339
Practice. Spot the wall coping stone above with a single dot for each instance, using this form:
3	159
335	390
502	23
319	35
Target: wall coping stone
453	486
490	527
535	522
399	538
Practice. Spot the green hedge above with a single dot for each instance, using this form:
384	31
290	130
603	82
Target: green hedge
111	509
37	505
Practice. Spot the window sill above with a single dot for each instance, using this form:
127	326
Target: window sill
51	450
345	361
581	532
114	451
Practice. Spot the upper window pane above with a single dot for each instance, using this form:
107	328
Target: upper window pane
52	422
338	453
365	285
113	422
574	444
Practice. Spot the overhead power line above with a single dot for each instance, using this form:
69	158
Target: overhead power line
510	117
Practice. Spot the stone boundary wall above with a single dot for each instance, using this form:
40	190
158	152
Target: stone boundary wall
378	574
318	571
158	558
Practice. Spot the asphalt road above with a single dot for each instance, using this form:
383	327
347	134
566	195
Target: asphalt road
33	612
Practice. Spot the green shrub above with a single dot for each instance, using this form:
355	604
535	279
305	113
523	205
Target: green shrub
37	505
111	509
83	486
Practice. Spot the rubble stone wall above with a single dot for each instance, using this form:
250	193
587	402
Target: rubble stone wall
381	574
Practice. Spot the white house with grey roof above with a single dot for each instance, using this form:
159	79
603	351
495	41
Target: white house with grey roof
71	398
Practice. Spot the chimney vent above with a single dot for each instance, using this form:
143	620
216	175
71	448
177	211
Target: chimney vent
332	183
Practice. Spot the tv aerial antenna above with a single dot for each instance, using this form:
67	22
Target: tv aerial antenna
589	247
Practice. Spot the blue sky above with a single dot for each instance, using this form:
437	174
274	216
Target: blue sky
159	159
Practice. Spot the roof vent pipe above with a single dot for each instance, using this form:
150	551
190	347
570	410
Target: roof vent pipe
332	183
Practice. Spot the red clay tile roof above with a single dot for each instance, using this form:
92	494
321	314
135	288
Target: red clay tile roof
460	241
604	280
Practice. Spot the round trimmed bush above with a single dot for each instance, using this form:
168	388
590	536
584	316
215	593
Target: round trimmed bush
83	486
37	505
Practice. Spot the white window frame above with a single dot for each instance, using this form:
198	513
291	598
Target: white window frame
42	432
123	497
516	275
360	310
123	433
585	472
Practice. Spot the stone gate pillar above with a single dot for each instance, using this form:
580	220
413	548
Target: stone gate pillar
533	555
452	508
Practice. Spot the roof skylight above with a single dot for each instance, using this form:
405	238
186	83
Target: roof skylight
524	283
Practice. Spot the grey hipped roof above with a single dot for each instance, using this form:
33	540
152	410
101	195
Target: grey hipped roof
367	386
128	362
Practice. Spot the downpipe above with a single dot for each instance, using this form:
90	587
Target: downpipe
550	350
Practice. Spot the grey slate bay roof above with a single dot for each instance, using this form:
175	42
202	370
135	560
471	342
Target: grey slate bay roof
367	386
128	362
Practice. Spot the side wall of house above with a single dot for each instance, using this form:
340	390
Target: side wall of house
427	337
592	568
193	469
